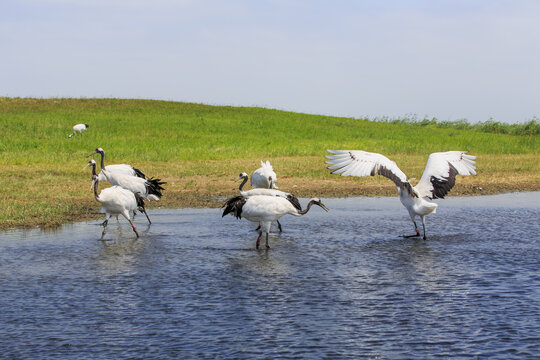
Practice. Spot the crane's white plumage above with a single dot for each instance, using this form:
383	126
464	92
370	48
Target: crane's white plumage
78	129
117	200
147	188
266	192
117	168
441	167
264	177
438	178
264	209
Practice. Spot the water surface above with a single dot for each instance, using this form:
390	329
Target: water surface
341	284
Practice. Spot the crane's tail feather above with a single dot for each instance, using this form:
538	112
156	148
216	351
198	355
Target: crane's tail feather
153	187
234	206
139	173
140	201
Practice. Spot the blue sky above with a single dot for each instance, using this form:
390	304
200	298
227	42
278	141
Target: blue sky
451	60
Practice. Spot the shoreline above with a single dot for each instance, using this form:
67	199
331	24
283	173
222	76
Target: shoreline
84	208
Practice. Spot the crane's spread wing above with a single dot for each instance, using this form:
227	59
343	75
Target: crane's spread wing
440	174
362	163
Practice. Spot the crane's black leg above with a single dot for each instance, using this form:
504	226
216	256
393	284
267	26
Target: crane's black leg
267	246
415	235
279	226
104	228
144	211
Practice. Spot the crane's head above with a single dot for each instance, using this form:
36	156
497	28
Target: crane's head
318	201
242	176
90	163
97	151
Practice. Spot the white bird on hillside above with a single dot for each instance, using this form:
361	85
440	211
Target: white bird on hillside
264	177
264	209
117	168
116	200
438	179
149	189
78	129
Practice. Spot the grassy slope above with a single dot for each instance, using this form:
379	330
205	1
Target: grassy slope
199	149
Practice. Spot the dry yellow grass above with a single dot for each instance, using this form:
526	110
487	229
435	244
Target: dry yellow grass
49	195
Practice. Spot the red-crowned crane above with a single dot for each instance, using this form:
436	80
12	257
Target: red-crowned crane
149	189
119	168
78	129
438	179
264	209
116	201
264	177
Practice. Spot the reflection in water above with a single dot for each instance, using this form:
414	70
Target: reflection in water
120	256
340	284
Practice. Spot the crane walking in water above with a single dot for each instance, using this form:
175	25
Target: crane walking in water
438	179
116	201
264	209
267	192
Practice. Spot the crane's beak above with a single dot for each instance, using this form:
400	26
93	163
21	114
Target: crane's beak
87	165
323	207
92	154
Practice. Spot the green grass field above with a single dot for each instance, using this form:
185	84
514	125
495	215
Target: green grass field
198	149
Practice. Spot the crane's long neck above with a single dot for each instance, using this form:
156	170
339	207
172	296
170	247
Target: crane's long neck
102	153
303	212
96	182
270	182
243	183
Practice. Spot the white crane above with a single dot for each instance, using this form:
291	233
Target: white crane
264	209
438	179
116	200
119	168
267	192
149	189
264	177
78	129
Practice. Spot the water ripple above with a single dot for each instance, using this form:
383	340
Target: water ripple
341	284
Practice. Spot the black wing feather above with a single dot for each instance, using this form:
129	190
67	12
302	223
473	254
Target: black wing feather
294	201
153	187
441	186
139	173
234	206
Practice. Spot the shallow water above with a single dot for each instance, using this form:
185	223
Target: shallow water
341	284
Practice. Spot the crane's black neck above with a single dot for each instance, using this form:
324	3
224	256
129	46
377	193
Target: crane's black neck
93	165
270	182
243	182
96	182
303	212
102	153
95	179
